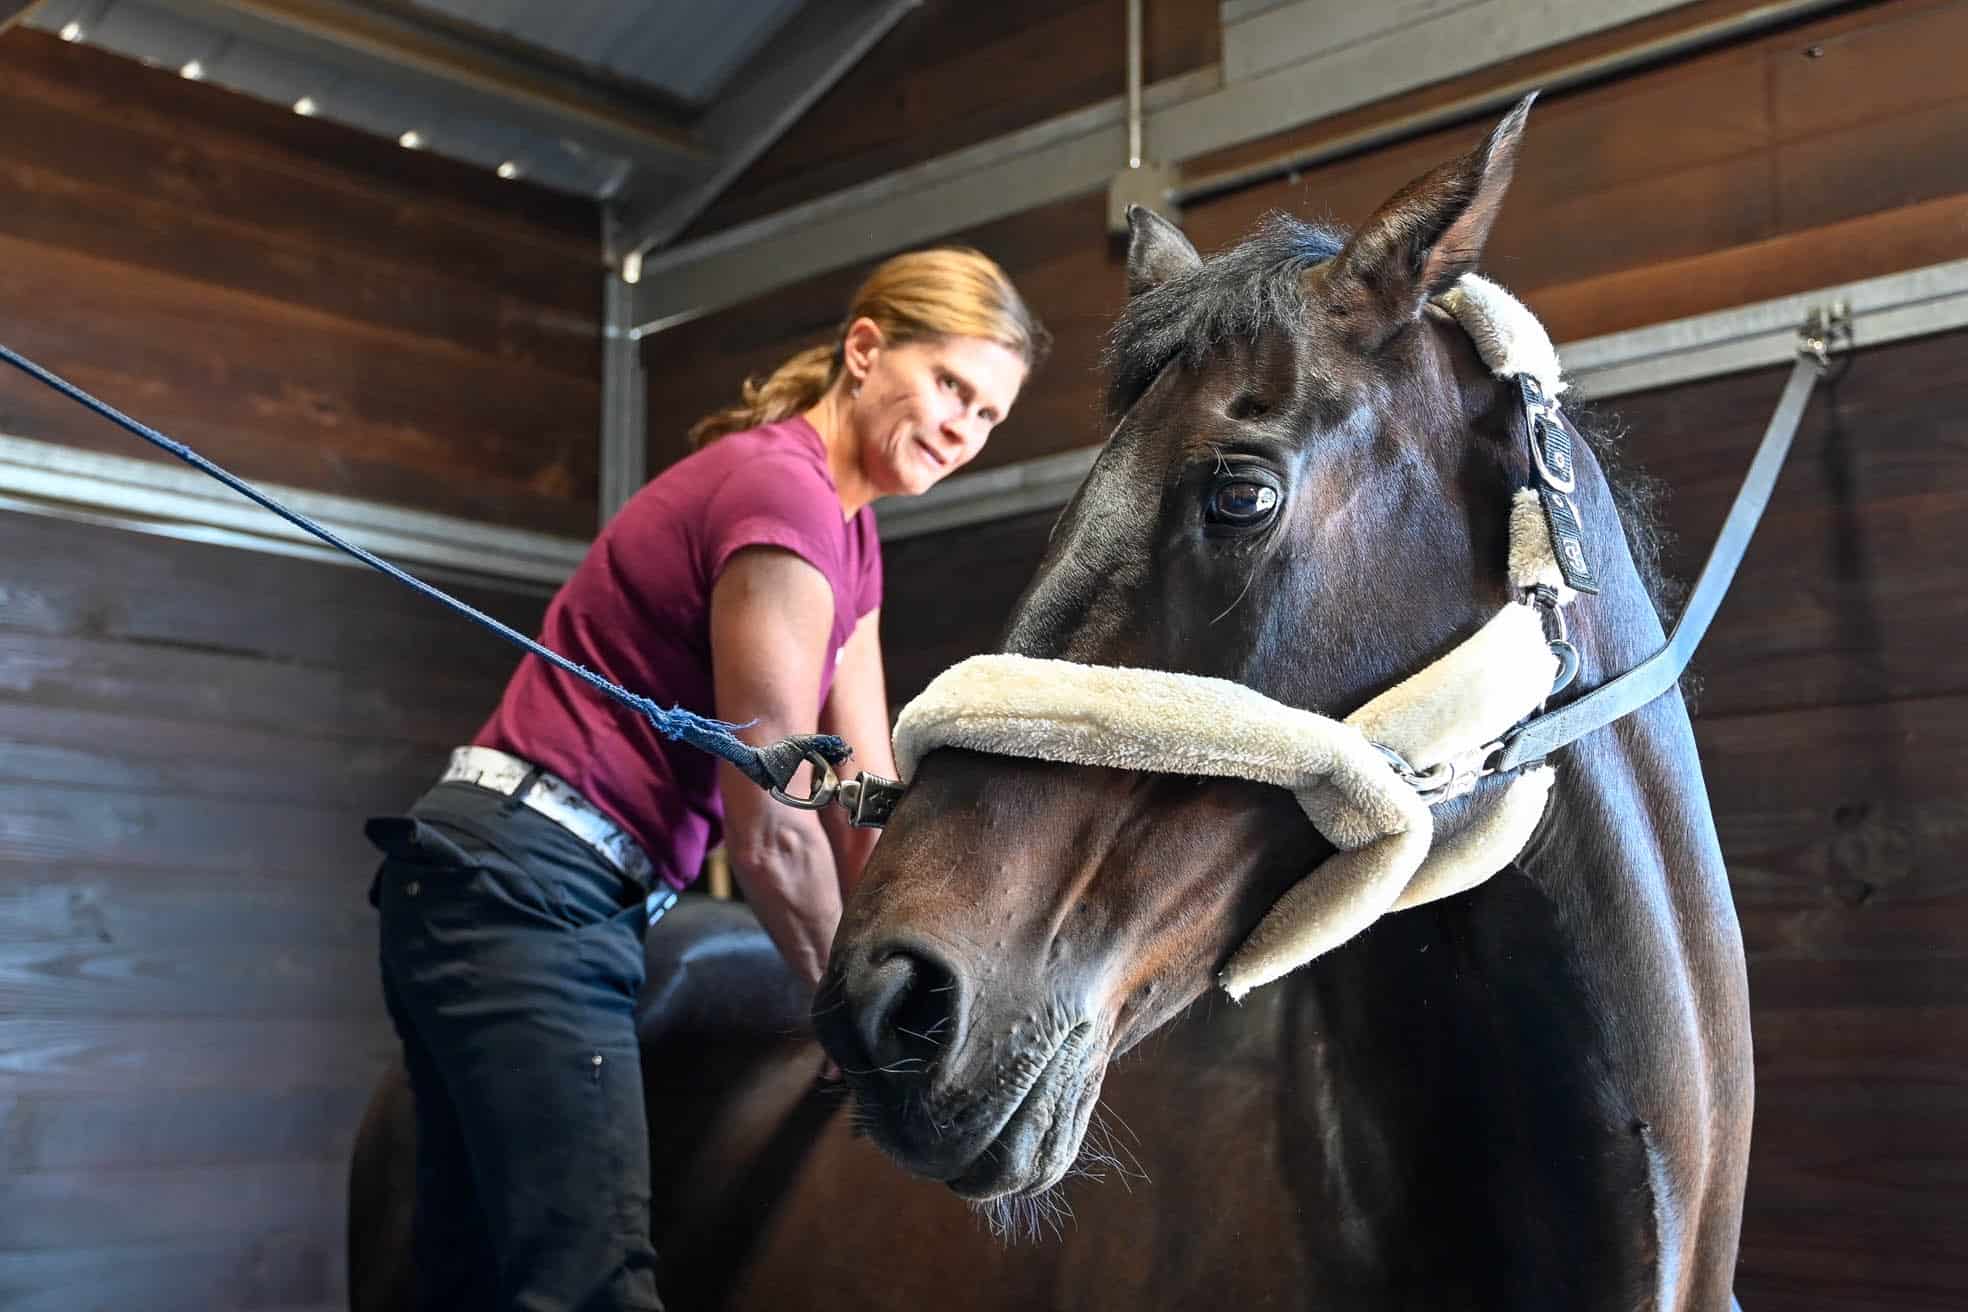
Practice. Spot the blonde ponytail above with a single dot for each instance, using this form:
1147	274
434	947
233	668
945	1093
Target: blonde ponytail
793	388
947	292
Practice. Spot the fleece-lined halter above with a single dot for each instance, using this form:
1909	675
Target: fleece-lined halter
1368	781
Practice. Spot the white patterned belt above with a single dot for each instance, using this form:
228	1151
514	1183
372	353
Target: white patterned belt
559	801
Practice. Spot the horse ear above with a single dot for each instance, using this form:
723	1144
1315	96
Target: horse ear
1157	251
1432	231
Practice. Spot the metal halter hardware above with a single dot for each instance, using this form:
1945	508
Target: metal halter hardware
868	799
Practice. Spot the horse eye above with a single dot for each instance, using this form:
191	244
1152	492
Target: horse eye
1242	502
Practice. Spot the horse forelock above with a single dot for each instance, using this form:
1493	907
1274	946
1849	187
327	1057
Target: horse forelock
1237	294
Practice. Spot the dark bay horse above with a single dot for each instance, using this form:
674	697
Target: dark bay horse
1535	1094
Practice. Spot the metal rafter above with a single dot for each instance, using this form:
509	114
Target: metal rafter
12	11
797	67
533	93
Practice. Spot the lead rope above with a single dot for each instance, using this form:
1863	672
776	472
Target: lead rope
771	768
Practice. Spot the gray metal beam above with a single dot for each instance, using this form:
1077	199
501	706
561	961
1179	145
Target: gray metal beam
64	482
541	98
1062	157
1916	303
797	67
12	11
1079	152
624	393
1889	309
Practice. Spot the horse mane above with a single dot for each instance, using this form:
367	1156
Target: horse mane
1255	287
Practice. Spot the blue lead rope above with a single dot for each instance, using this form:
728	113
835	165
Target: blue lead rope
768	767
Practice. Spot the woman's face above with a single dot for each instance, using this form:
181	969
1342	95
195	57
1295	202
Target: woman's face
926	408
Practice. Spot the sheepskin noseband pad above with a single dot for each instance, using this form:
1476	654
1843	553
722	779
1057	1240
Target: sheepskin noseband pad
1387	857
1154	720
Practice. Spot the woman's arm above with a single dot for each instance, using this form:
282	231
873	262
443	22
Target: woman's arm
857	711
771	613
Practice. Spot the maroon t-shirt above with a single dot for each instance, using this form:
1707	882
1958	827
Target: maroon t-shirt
638	611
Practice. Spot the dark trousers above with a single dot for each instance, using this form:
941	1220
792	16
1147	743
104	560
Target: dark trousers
512	959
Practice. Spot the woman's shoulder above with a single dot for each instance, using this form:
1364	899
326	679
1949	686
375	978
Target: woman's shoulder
790	441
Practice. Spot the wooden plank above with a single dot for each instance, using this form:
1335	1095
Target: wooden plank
52	824
1846	808
1790	43
1881	164
1829	88
170	982
86	581
1859	1146
113	750
298	207
308	702
200	1128
1868	247
268	1270
48	1209
304	901
394	290
275	391
433	193
115	1054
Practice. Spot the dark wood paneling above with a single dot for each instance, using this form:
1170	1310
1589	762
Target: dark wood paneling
953	74
928	625
1853	590
303	303
1888	242
288	1270
190	1018
1833	707
1749	172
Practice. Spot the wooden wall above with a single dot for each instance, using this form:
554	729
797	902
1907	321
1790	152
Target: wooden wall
1750	172
190	739
298	301
1831	718
191	736
954	73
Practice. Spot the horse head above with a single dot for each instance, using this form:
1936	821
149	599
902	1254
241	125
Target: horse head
1306	491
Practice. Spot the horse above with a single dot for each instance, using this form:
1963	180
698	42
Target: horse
1533	1093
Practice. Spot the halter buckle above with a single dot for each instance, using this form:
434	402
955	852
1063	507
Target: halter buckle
826	786
1444	781
870	799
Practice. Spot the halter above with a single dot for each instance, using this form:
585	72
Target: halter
1367	782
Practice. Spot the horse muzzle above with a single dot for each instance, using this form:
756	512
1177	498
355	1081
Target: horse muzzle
992	1103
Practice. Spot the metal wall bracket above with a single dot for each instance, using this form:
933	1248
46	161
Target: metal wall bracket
1826	329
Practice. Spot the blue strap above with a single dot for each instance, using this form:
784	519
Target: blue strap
768	767
1537	738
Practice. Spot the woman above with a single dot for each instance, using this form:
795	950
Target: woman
744	581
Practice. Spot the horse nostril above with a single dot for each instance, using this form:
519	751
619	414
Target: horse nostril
904	1010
